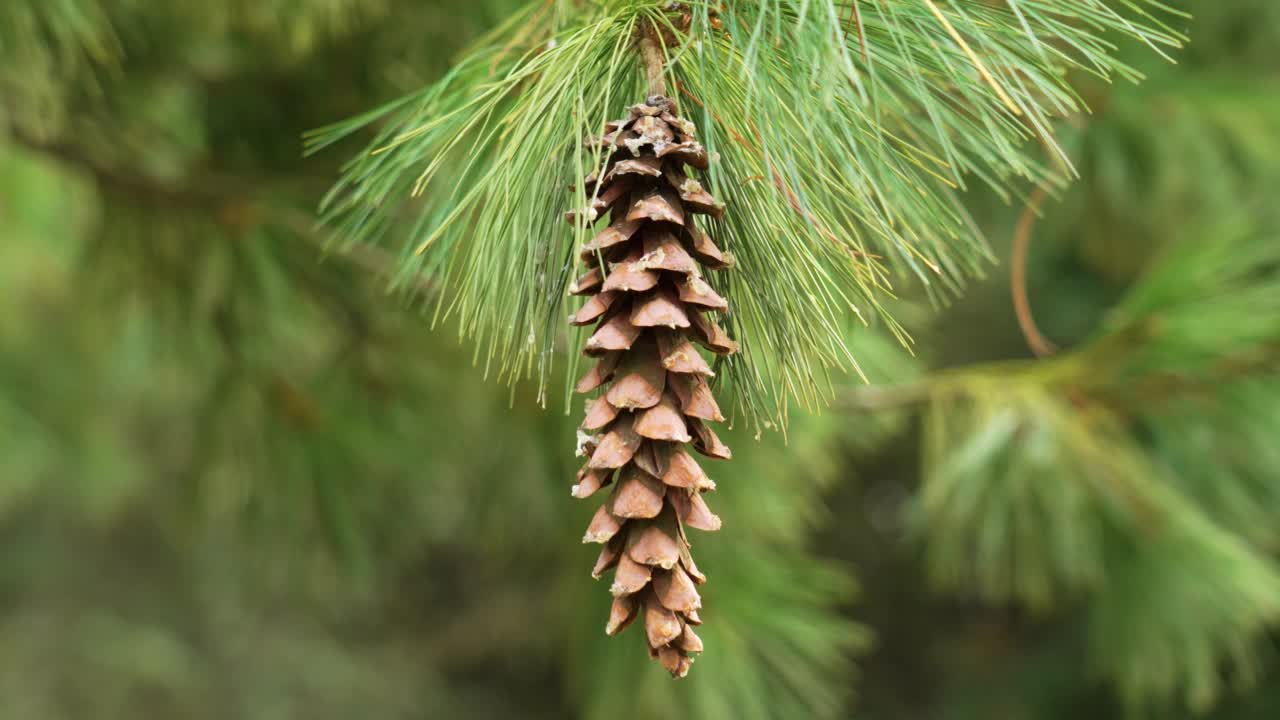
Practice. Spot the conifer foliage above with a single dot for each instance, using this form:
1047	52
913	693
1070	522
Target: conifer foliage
648	299
184	374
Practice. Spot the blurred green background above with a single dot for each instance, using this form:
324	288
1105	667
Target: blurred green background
238	479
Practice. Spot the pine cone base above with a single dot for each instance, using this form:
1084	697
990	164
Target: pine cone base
650	305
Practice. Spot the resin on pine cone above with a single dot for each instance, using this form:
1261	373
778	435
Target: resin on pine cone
650	304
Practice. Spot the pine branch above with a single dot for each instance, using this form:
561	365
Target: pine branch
841	153
1090	476
232	202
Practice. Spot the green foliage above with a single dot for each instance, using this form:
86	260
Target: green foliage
1219	126
200	379
1133	478
838	164
1185	602
237	481
300	442
1222	445
1021	489
45	47
54	37
1074	480
494	145
1206	307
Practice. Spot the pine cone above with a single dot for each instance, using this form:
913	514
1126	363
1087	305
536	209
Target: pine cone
648	301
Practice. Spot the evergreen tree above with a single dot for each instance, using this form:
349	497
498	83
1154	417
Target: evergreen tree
240	480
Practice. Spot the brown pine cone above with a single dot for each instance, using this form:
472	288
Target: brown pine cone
648	301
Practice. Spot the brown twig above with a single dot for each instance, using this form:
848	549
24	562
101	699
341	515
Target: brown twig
1039	344
856	14
654	61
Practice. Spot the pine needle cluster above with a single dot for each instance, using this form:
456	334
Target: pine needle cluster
844	131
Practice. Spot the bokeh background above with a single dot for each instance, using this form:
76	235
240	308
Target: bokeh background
238	479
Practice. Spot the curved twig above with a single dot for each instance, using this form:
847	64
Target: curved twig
1039	344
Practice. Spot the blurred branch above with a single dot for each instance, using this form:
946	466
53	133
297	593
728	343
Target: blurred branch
872	397
1064	372
1157	388
209	195
225	198
367	257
